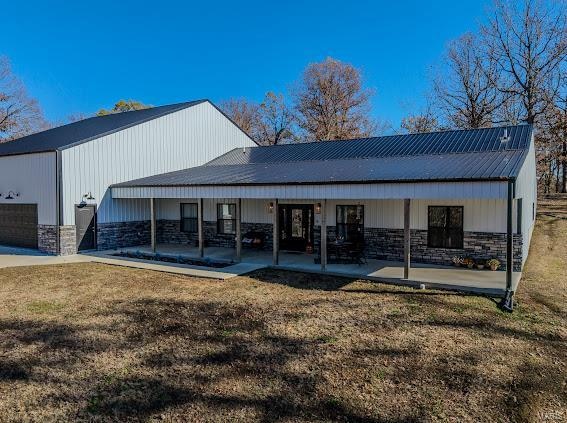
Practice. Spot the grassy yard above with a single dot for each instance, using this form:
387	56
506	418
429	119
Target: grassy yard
96	342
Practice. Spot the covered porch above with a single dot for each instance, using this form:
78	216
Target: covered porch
395	228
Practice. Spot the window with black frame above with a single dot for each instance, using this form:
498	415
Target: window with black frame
350	223
189	216
445	227
226	218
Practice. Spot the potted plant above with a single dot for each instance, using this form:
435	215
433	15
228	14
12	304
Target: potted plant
457	261
469	262
494	264
480	264
309	248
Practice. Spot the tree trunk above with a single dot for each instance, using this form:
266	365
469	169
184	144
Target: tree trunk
564	165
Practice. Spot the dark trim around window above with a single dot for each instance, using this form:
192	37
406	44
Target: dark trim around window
226	225
350	231
445	227
188	213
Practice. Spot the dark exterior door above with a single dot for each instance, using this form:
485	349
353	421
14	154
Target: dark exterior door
296	226
18	225
85	222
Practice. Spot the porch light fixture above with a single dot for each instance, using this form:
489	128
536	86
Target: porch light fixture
270	207
318	208
12	194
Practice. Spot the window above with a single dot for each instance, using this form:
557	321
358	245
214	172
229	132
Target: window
445	227
350	222
189	217
226	218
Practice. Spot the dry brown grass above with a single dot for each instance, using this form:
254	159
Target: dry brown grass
96	342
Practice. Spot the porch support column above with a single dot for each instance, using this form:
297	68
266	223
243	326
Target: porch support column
507	303
200	228
276	234
238	230
407	237
153	223
324	235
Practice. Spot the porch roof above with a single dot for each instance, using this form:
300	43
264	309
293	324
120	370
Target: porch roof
484	166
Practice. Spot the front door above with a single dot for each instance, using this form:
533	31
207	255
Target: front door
85	222
296	226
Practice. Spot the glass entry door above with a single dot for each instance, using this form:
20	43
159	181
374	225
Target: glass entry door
296	226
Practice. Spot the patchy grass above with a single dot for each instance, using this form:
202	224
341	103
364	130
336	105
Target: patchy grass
96	342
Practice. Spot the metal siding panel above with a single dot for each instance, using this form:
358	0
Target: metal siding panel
33	177
200	134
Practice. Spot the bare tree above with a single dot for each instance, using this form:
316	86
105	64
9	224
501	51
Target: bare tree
19	114
528	42
244	113
466	91
276	120
332	103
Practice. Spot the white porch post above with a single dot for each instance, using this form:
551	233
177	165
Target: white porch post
276	234
407	238
153	223
238	229
324	235
200	228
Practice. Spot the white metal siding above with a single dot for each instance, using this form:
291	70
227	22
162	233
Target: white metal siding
425	190
526	189
479	215
183	139
33	176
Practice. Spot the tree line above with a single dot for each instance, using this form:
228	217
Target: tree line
511	70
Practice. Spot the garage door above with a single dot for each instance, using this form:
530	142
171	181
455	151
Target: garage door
18	225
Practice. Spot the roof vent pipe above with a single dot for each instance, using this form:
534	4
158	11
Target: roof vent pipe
505	137
244	150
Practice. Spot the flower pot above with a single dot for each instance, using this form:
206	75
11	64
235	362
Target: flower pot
480	266
493	268
470	266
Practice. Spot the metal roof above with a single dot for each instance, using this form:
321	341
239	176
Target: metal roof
478	154
444	142
86	130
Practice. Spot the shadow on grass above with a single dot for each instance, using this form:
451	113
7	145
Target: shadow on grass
208	357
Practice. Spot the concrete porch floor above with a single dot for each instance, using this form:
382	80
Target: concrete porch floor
433	276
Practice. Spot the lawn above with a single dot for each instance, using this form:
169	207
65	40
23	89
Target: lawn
97	342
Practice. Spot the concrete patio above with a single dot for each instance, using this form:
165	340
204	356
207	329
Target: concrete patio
432	276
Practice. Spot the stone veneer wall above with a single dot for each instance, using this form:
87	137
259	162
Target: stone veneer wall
47	239
68	240
388	244
169	231
123	234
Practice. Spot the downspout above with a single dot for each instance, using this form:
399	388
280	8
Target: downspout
58	196
507	302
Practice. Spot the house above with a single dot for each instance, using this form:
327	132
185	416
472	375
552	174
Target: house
55	185
186	175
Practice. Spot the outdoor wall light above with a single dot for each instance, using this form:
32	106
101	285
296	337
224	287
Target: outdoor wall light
12	194
318	208
270	207
88	196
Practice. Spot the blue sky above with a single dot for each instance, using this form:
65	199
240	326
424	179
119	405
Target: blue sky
80	56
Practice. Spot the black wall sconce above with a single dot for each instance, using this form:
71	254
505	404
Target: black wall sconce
318	208
11	195
270	207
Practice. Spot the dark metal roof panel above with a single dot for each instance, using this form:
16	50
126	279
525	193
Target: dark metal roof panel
456	166
434	143
85	130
